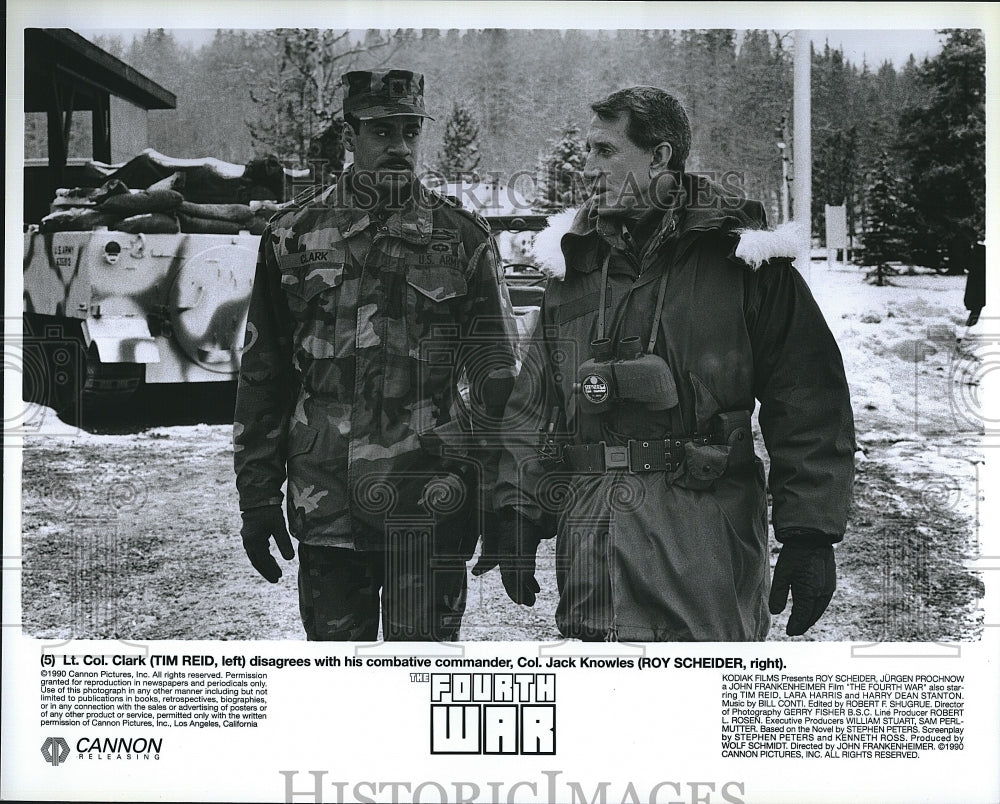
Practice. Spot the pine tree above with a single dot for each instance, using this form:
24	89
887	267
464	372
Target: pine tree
300	99
883	241
942	137
459	154
561	172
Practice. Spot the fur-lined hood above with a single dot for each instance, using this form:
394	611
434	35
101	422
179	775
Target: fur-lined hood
755	246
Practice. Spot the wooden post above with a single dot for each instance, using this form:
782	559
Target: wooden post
101	127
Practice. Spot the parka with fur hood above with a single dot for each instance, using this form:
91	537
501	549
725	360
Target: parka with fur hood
679	553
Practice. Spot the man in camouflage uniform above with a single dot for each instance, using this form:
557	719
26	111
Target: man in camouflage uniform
373	303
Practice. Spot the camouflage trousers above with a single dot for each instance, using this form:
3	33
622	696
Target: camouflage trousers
423	591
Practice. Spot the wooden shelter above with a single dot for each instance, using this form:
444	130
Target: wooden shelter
63	74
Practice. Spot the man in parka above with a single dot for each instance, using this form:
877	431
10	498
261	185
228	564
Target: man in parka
372	302
668	320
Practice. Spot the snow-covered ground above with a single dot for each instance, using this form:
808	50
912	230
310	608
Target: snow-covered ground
915	373
165	490
913	367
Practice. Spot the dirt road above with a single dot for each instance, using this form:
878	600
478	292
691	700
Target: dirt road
130	531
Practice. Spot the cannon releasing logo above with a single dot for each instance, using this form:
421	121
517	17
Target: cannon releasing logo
493	713
55	750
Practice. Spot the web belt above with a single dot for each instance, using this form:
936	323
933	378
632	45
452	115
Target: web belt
656	455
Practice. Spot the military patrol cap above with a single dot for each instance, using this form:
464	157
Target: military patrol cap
369	94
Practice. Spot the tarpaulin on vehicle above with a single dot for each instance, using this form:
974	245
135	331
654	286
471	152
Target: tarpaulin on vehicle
208	181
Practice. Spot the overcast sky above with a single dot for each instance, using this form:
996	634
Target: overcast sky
872	46
885	31
875	47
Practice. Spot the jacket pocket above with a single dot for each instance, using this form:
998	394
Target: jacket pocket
316	491
306	285
301	438
435	284
705	463
706	406
434	295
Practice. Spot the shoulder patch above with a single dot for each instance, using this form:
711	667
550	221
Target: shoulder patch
454	205
476	218
757	246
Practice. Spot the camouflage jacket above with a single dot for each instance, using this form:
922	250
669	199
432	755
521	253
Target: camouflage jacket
362	332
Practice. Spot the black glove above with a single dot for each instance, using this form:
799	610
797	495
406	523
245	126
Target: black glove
807	566
259	525
489	554
517	544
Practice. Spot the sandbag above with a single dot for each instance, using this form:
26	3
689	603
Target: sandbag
73	197
175	181
234	213
203	181
258	192
205	186
110	188
149	223
63	202
142	202
87	196
195	225
75	219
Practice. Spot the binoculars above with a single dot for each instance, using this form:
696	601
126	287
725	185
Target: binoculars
626	376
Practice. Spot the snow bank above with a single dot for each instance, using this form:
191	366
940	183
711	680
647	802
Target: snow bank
900	345
910	377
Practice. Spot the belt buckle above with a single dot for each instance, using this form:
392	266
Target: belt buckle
616	457
651	455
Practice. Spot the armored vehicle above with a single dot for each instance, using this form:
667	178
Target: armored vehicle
124	287
107	310
114	300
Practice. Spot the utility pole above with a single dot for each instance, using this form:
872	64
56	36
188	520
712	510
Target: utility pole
781	132
803	146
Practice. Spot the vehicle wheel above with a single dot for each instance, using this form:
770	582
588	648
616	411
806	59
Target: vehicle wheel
108	386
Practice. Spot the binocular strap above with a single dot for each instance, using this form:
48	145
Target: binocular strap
661	294
604	296
601	310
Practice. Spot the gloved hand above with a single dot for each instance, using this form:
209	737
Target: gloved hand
259	525
511	540
517	544
807	566
489	554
